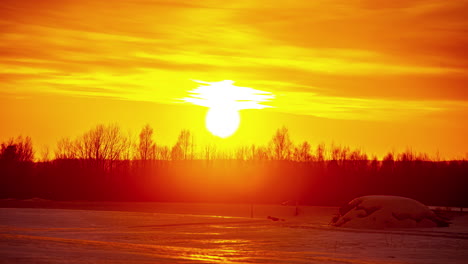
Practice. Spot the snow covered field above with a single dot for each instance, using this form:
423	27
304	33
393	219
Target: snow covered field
212	233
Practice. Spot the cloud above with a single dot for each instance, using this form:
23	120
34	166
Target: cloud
226	95
333	107
336	59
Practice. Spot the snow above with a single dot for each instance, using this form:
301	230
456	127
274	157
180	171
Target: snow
151	233
380	212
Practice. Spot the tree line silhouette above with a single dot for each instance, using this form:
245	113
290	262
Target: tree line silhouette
106	164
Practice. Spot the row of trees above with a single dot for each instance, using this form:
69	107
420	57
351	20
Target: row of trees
105	144
105	163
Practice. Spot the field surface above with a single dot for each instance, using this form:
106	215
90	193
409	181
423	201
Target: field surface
40	231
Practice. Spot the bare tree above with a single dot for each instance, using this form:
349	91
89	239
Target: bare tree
163	153
102	146
19	149
407	156
242	153
176	152
335	153
302	152
253	152
146	146
128	149
374	165
184	147
66	149
209	152
388	162
344	155
281	144
359	160
259	153
320	152
45	154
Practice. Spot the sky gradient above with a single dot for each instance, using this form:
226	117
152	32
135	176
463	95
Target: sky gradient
378	75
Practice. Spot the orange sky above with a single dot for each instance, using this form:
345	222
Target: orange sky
378	75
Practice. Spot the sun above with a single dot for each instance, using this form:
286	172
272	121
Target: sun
224	101
222	121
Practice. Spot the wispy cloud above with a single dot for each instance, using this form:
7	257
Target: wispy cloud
334	59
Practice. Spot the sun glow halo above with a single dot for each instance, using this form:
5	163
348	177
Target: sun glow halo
224	101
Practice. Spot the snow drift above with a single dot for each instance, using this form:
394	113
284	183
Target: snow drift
380	211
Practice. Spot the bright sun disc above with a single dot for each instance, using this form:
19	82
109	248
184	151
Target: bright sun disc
222	122
224	101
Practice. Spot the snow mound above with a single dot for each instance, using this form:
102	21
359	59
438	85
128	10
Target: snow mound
381	211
